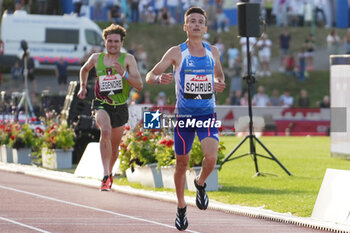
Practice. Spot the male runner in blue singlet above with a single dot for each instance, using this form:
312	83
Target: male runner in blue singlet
197	73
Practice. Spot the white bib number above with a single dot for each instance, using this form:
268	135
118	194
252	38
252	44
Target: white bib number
111	83
198	85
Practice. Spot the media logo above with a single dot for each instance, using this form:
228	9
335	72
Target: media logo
152	120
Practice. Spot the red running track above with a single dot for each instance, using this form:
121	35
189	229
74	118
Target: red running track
32	204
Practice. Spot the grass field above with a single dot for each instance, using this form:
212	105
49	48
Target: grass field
307	158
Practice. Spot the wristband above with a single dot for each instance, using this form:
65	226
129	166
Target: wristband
156	80
125	74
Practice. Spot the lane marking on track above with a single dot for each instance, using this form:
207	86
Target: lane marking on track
23	225
91	208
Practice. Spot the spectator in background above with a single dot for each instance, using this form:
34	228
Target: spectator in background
77	5
292	17
333	42
132	49
18	5
347	41
135	14
85	9
284	40
164	17
308	13
304	100
264	46
146	98
236	80
98	5
254	65
302	64
206	38
161	99
289	65
220	46
232	54
172	8
210	7
149	16
236	98
244	99
286	99
309	55
116	15
243	43
275	98
261	99
158	6
268	4
325	103
222	22
141	58
16	75
280	11
61	74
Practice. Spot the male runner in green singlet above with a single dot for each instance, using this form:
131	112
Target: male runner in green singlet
116	72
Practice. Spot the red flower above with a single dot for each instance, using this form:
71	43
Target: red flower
170	143
144	138
233	129
13	137
39	130
220	129
163	142
139	134
52	128
127	127
219	148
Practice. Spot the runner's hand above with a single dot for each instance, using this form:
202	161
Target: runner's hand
219	85
82	93
117	67
165	78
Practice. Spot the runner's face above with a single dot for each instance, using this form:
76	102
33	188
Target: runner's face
195	25
113	43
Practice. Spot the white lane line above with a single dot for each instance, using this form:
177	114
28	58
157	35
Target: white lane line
23	225
91	208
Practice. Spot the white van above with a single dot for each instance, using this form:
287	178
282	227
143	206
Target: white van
50	37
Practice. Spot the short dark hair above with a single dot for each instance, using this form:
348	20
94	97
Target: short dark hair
196	10
114	29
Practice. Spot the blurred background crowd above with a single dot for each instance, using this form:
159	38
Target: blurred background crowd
277	52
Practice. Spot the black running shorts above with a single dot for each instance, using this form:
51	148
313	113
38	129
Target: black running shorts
118	114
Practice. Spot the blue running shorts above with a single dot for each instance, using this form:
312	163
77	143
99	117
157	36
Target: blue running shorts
187	126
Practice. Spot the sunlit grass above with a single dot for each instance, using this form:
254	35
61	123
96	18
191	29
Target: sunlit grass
307	158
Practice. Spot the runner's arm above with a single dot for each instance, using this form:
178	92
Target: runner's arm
133	75
219	77
156	75
83	74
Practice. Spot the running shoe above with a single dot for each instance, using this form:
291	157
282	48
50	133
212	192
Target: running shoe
181	222
105	184
202	199
111	181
